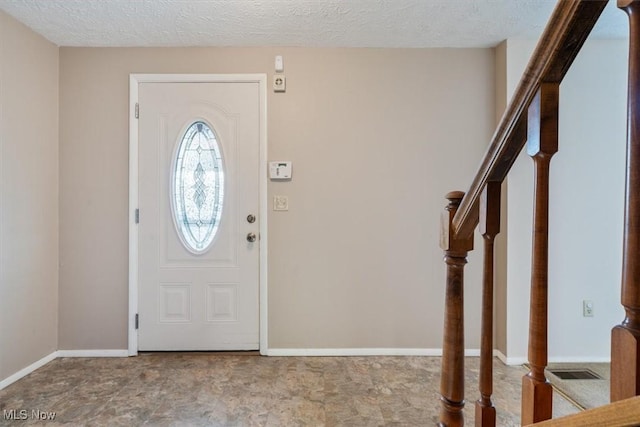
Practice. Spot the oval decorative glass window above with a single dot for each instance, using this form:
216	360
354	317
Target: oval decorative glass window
198	187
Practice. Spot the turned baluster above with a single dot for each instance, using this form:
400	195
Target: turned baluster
625	338
452	369
489	228
542	144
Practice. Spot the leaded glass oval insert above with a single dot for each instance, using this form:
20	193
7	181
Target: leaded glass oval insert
198	187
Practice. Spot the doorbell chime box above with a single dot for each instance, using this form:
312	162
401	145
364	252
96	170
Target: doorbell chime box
280	170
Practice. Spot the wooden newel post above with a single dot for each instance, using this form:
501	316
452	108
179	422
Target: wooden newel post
452	370
625	338
542	144
489	228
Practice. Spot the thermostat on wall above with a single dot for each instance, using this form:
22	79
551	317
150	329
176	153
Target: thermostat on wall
280	170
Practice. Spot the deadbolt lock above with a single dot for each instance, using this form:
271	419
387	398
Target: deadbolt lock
251	218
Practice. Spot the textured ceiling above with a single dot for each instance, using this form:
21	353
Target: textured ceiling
326	23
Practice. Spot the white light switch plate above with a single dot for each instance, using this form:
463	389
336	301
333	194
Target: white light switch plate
280	203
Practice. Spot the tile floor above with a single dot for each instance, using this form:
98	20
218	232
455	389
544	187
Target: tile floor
204	389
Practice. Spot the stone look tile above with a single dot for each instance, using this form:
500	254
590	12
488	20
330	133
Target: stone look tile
208	389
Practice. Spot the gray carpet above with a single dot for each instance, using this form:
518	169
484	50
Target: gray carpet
586	393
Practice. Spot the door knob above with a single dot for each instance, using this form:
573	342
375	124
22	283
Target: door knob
251	237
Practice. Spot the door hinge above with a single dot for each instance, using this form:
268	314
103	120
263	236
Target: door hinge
137	320
137	216
137	110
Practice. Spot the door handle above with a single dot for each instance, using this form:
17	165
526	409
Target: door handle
251	237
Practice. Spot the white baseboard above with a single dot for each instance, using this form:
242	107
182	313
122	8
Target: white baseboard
561	359
435	352
93	353
354	352
26	371
362	352
60	353
511	361
579	359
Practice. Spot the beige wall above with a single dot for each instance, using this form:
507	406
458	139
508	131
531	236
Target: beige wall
376	136
28	196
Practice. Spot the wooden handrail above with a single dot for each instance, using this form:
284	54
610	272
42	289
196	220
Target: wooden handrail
623	413
562	39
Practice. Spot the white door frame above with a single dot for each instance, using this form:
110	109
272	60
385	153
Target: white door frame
134	81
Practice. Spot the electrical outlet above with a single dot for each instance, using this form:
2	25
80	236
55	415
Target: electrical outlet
587	308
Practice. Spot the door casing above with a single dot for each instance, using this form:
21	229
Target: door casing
134	81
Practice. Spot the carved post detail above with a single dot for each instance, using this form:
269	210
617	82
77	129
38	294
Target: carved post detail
489	228
625	338
452	370
542	144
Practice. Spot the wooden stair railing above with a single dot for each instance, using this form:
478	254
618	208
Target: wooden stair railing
624	413
532	118
564	35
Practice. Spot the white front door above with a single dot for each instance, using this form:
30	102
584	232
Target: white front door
198	183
